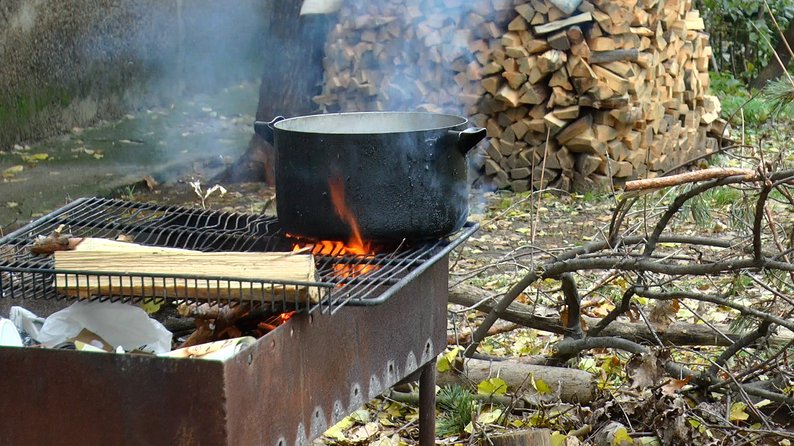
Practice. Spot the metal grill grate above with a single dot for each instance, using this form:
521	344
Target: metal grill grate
377	277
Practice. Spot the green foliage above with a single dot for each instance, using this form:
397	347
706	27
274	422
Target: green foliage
780	95
458	407
703	206
742	33
775	100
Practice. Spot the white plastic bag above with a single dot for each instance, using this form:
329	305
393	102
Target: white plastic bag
9	336
27	321
121	325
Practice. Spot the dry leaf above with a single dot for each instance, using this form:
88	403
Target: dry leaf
674	385
364	433
663	314
644	370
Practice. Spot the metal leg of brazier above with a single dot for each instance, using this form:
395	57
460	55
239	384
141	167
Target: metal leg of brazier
427	405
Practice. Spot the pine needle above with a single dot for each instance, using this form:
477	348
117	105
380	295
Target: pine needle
779	93
458	407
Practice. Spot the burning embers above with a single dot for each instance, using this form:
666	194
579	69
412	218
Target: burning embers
362	251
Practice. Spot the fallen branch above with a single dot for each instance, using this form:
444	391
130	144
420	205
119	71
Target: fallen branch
569	348
413	398
678	333
690	177
464	337
571	385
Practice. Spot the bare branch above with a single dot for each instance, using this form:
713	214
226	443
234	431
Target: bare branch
689	177
748	340
572	301
625	304
720	300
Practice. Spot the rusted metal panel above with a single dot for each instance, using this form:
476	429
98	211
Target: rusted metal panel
290	386
66	397
301	379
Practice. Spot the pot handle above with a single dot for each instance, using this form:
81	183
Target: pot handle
265	129
465	140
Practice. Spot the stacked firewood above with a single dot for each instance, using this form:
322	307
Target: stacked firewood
574	94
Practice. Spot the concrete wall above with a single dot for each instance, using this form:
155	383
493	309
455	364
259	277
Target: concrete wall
66	63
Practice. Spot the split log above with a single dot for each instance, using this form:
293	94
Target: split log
559	24
127	266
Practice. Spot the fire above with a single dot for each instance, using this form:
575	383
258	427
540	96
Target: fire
273	322
284	317
355	246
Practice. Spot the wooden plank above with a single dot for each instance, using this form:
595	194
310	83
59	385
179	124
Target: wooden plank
110	257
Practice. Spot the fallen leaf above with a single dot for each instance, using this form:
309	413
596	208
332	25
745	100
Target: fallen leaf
737	412
336	432
622	437
125	238
663	314
152	306
489	416
393	440
150	182
643	370
674	385
540	386
447	359
558	438
469	429
12	171
35	157
492	386
361	416
762	403
364	433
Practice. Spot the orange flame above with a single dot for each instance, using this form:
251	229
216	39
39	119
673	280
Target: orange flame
355	245
335	248
284	317
273	322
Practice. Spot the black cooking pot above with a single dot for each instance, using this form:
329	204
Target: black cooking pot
399	175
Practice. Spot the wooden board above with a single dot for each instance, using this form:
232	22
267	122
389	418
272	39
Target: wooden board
111	257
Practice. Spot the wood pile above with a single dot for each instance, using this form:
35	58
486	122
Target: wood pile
574	95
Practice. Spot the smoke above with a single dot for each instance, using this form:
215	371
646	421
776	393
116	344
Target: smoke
176	47
68	64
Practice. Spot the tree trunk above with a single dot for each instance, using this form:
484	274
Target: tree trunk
292	75
773	70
